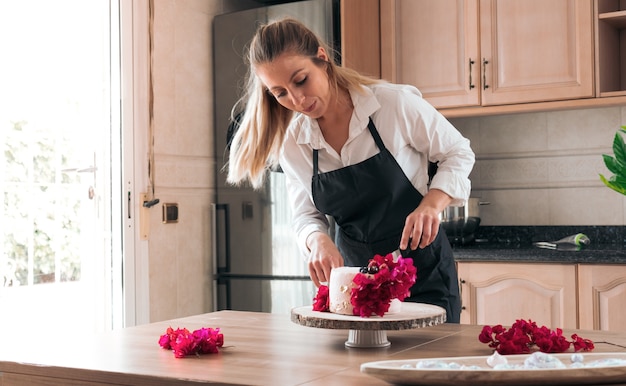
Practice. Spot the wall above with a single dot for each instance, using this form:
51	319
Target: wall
542	168
184	162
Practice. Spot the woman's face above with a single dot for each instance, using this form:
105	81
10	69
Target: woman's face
297	83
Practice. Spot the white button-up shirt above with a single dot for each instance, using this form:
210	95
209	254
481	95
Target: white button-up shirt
411	129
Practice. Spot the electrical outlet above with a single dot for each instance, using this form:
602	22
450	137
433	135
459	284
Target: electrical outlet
170	213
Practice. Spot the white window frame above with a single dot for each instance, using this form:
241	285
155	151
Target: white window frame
135	91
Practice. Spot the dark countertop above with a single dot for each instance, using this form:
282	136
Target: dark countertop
594	254
515	244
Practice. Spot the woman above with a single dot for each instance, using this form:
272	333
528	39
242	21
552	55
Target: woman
355	149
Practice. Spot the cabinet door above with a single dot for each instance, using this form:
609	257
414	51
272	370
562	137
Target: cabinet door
501	293
430	44
601	297
360	36
536	50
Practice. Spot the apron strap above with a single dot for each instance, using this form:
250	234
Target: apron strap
374	132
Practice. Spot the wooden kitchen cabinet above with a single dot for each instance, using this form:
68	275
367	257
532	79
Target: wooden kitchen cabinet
433	45
489	52
611	47
501	293
360	36
602	297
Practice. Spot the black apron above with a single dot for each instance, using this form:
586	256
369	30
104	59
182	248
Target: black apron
370	202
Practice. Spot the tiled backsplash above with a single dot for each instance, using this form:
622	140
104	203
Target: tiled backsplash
541	169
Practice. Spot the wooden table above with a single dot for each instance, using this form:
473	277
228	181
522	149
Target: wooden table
259	349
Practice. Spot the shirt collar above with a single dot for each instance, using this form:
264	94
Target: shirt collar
365	104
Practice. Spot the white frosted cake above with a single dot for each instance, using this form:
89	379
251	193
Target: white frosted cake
340	288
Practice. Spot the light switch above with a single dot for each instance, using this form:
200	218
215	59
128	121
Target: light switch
170	213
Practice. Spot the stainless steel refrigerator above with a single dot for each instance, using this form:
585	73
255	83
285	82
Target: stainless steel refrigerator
257	266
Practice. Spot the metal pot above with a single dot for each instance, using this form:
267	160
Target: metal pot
460	222
460	213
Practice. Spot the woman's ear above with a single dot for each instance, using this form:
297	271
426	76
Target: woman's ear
321	54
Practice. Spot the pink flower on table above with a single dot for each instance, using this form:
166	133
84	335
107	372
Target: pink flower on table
165	339
208	340
184	343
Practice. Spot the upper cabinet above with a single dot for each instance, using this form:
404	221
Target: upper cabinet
360	36
489	52
536	50
434	45
611	52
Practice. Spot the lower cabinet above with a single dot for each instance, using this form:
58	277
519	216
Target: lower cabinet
602	297
500	293
581	296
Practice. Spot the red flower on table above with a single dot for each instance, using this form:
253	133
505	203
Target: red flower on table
523	336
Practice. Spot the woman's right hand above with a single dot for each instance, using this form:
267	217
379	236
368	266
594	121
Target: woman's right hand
323	258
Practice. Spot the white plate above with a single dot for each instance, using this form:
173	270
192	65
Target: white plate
392	371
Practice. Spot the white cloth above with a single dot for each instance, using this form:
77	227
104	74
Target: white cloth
411	129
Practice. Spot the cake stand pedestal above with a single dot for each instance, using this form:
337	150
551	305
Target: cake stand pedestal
371	332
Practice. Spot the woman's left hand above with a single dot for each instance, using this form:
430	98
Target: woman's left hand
422	225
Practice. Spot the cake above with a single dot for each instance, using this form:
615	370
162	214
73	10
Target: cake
340	288
377	289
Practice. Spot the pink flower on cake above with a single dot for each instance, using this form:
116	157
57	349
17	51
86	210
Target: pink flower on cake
390	280
381	281
371	296
321	302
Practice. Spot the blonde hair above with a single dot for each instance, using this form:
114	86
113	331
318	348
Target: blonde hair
256	145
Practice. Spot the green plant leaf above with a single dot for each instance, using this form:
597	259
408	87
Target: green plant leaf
616	183
616	164
619	148
612	164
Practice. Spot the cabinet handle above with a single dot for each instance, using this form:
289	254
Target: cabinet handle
461	282
471	82
485	85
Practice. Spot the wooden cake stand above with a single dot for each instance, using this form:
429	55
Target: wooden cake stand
371	332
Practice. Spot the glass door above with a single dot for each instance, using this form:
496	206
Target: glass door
57	134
